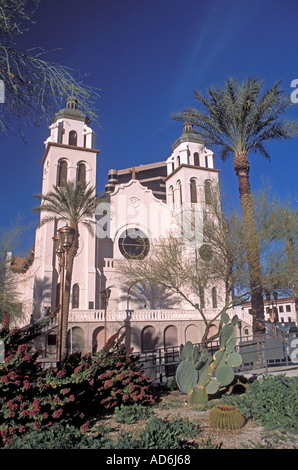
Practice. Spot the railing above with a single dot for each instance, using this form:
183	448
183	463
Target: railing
138	315
260	354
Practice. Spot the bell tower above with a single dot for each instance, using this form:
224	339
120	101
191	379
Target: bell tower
190	176
70	155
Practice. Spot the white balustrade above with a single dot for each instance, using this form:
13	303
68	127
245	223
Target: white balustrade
137	315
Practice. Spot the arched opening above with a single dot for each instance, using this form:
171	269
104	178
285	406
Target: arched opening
62	173
208	193
212	331
170	341
192	334
171	197
196	159
179	192
214	297
75	337
81	173
193	191
75	296
170	336
178	161
149	339
72	138
98	339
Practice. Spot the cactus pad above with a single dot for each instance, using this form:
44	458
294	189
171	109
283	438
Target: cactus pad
224	374
234	359
186	376
198	396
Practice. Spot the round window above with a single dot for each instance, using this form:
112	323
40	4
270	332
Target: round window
205	252
133	244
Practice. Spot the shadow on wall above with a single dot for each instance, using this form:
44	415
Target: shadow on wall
147	296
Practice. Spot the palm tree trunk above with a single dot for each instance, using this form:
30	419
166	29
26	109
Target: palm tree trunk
241	167
67	292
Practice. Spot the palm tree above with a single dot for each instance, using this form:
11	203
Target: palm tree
73	203
240	120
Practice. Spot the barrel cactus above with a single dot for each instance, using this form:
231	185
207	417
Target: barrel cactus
199	374
226	417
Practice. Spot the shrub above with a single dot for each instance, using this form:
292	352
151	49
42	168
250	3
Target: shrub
164	434
103	381
80	389
58	436
271	400
132	413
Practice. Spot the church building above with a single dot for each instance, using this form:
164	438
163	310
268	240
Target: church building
138	208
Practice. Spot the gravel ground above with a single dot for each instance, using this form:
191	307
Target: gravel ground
172	405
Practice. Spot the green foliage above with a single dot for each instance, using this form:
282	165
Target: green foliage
195	373
58	436
84	387
186	376
132	413
271	400
164	434
158	434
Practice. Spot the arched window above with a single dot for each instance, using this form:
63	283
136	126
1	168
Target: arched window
179	192
193	191
178	161
214	297
72	138
208	194
81	173
75	296
62	172
171	197
196	159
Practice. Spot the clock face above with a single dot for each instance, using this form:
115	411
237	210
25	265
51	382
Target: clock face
133	244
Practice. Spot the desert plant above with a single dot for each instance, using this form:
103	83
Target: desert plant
195	373
132	413
58	436
168	434
273	402
226	417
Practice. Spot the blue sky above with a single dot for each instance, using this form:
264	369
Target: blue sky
147	57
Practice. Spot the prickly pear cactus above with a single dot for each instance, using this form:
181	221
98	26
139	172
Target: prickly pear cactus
199	374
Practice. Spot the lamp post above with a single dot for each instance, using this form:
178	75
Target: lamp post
105	295
62	243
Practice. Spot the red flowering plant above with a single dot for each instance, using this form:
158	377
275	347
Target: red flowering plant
103	381
79	390
23	403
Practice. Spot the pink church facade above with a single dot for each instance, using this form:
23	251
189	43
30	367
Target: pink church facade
141	200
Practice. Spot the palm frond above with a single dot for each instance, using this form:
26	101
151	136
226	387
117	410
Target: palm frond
74	203
239	118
